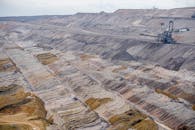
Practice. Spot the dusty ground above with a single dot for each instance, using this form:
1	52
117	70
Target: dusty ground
95	72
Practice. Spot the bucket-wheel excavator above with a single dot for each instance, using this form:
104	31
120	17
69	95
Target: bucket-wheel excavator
166	36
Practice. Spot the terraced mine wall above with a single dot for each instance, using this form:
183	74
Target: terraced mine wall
94	72
171	56
82	91
114	36
174	56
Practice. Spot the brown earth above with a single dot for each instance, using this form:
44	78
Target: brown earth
94	71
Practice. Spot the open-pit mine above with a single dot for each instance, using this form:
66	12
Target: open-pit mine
98	71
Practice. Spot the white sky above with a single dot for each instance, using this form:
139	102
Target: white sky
60	7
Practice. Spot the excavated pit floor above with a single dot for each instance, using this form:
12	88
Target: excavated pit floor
95	72
84	92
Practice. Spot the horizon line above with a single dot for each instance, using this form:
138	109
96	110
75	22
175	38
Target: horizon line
87	12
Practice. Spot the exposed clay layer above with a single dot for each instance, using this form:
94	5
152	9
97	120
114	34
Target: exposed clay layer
21	110
11	94
47	58
78	86
15	127
177	92
172	89
119	68
86	57
74	87
94	103
132	119
6	65
86	87
160	113
65	108
166	94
